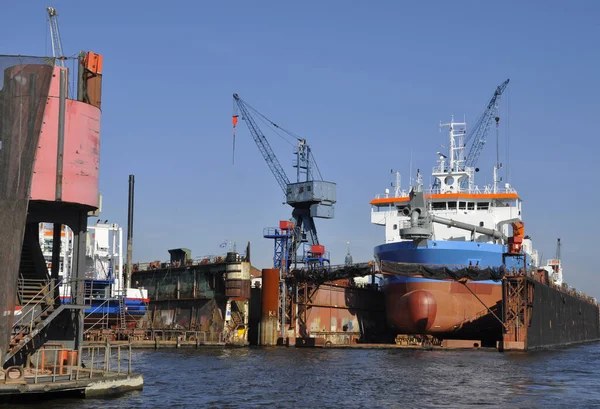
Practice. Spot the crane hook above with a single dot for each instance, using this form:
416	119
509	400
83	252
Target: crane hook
234	120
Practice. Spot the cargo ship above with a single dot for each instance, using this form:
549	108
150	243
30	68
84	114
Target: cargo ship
454	224
109	305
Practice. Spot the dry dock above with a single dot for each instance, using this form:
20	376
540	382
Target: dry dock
191	307
538	314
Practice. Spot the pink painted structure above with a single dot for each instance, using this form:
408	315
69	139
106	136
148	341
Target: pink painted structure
81	163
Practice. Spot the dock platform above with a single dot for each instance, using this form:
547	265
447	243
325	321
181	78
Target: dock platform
82	383
52	372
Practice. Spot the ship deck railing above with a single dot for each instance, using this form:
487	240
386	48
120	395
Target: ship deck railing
488	189
55	363
185	335
196	261
153	335
564	287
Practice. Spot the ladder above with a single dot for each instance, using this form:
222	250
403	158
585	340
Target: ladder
122	317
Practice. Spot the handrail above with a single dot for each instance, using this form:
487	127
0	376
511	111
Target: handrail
50	287
65	363
487	189
93	311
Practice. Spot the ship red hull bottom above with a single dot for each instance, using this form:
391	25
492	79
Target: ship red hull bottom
444	308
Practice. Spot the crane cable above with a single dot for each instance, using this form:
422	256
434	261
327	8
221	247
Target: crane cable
273	126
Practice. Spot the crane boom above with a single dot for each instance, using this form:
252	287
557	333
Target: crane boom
57	50
263	145
480	130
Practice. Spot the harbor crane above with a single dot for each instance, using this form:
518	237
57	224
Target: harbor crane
476	137
57	50
310	197
479	132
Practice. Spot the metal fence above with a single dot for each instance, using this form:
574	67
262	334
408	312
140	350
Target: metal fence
188	336
57	363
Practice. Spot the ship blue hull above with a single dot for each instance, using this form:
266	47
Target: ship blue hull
449	253
101	307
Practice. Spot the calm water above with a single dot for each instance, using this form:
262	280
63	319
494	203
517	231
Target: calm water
321	378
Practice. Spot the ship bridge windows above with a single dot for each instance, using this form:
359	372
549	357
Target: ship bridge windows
382	208
470	205
510	203
483	205
438	206
462	205
451	205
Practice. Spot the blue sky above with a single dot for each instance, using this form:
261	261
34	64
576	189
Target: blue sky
365	83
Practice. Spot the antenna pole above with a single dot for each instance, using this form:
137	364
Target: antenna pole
498	142
410	180
498	165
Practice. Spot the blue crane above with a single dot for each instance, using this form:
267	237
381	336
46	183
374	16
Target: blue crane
480	130
263	144
310	196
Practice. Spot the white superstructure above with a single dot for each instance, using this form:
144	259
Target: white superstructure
46	235
104	252
453	195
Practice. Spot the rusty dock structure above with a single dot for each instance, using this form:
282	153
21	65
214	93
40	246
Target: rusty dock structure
538	314
205	300
224	301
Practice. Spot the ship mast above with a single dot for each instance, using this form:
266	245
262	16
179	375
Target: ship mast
457	144
57	50
450	178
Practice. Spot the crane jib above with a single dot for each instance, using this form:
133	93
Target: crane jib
479	133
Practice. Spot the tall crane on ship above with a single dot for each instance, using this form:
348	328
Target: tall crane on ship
481	128
57	50
310	196
478	134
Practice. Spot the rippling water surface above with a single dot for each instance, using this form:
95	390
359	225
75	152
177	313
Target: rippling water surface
321	378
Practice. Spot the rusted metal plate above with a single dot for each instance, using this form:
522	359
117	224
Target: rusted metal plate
461	343
339	314
237	288
24	88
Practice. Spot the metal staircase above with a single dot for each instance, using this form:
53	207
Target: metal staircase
33	274
29	329
39	301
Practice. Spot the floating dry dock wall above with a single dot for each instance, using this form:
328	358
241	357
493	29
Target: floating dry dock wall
207	295
334	306
538	315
